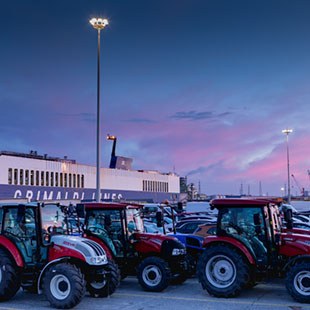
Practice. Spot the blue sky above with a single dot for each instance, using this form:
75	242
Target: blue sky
201	87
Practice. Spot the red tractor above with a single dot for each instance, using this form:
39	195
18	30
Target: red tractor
40	260
249	245
156	259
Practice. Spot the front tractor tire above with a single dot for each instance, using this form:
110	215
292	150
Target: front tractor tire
298	282
64	285
108	284
154	274
222	271
9	280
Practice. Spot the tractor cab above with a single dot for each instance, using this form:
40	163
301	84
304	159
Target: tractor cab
20	225
116	224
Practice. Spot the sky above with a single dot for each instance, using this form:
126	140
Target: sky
202	88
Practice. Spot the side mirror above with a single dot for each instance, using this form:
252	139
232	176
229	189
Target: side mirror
159	219
288	217
257	219
180	207
80	210
257	222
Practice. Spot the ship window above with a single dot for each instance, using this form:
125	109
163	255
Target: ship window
42	178
21	176
26	177
78	180
56	178
47	178
70	180
15	176
66	179
52	179
74	180
31	177
10	176
61	179
37	177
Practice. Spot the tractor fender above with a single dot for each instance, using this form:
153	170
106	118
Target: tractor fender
294	260
10	247
236	244
53	262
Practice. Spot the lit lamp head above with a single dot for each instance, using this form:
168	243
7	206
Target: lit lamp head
99	23
109	137
287	131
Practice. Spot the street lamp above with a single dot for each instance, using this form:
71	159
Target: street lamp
287	132
98	24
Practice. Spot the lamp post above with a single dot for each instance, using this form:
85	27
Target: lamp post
98	24
287	132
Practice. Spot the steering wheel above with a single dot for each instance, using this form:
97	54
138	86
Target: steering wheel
236	227
9	231
97	230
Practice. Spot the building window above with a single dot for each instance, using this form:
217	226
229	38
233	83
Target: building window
61	179
82	180
21	176
70	180
56	178
15	176
66	179
10	176
74	180
52	179
31	177
47	178
26	177
42	178
78	180
37	177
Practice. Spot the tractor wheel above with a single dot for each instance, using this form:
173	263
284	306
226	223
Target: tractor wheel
298	282
153	274
9	280
64	285
108	284
222	271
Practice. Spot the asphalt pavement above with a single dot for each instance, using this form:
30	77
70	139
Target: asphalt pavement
189	295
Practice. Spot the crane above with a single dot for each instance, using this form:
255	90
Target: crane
301	189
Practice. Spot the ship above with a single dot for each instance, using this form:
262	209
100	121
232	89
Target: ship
36	177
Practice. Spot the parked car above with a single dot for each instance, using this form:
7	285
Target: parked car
188	227
204	230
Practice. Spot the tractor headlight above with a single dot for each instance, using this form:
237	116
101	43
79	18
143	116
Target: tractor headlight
176	252
99	260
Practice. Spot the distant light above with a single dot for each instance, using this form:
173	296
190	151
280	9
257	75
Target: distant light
99	23
111	137
287	131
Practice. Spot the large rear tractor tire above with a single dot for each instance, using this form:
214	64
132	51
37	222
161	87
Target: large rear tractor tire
64	285
298	282
154	274
109	282
222	271
9	280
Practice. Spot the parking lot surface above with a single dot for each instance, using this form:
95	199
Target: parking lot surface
189	295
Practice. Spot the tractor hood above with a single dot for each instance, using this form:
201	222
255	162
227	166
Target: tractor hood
294	244
90	250
157	243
